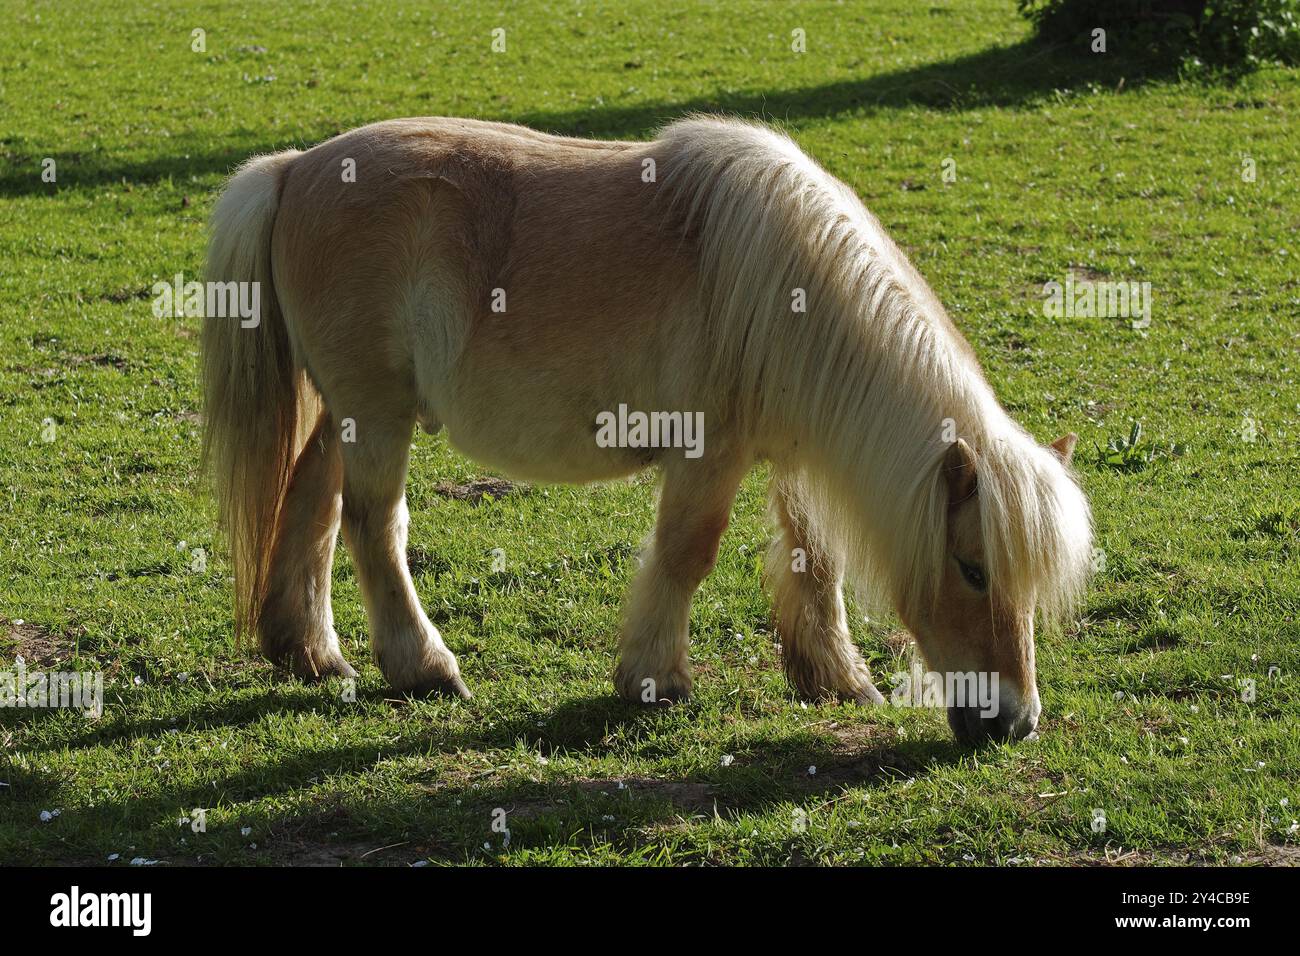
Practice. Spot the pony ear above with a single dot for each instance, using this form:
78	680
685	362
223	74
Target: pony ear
1063	447
959	471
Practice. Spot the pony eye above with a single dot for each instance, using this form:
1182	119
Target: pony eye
974	576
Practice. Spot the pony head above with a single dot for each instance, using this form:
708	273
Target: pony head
1015	546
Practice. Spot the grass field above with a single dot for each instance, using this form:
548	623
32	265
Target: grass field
1063	161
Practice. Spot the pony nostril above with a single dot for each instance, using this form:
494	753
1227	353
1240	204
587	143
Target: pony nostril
1018	726
1025	724
970	726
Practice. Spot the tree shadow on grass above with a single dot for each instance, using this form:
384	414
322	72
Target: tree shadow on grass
1001	76
451	818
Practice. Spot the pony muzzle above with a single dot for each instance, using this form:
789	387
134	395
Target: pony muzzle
1015	718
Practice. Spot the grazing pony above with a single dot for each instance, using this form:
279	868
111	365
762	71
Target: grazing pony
520	290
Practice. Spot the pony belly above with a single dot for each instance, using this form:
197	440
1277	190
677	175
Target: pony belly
538	413
534	411
548	451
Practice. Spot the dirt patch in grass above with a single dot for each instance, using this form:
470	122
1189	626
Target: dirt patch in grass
105	359
900	641
1097	411
1273	856
1078	274
862	753
475	490
331	837
72	360
687	796
126	295
854	737
36	645
1087	274
683	794
348	853
1269	855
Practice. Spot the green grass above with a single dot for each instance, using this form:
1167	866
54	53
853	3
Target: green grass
1063	161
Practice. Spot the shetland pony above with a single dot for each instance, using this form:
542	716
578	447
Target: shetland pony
513	287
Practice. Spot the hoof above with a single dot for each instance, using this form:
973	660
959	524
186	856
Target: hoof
438	687
338	668
312	668
666	698
421	669
817	683
432	683
652	692
866	696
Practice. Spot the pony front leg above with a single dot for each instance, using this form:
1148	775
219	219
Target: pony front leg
806	577
654	643
407	647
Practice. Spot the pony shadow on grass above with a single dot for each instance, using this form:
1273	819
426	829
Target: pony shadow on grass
287	696
450	820
1001	76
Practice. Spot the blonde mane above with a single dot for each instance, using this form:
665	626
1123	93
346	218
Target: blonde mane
863	384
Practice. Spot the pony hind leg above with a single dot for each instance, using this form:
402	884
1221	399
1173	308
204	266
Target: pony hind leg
407	647
296	624
694	509
806	578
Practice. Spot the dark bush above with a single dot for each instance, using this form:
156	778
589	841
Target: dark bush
1224	34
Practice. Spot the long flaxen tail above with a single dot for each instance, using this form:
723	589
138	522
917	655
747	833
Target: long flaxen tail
258	405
